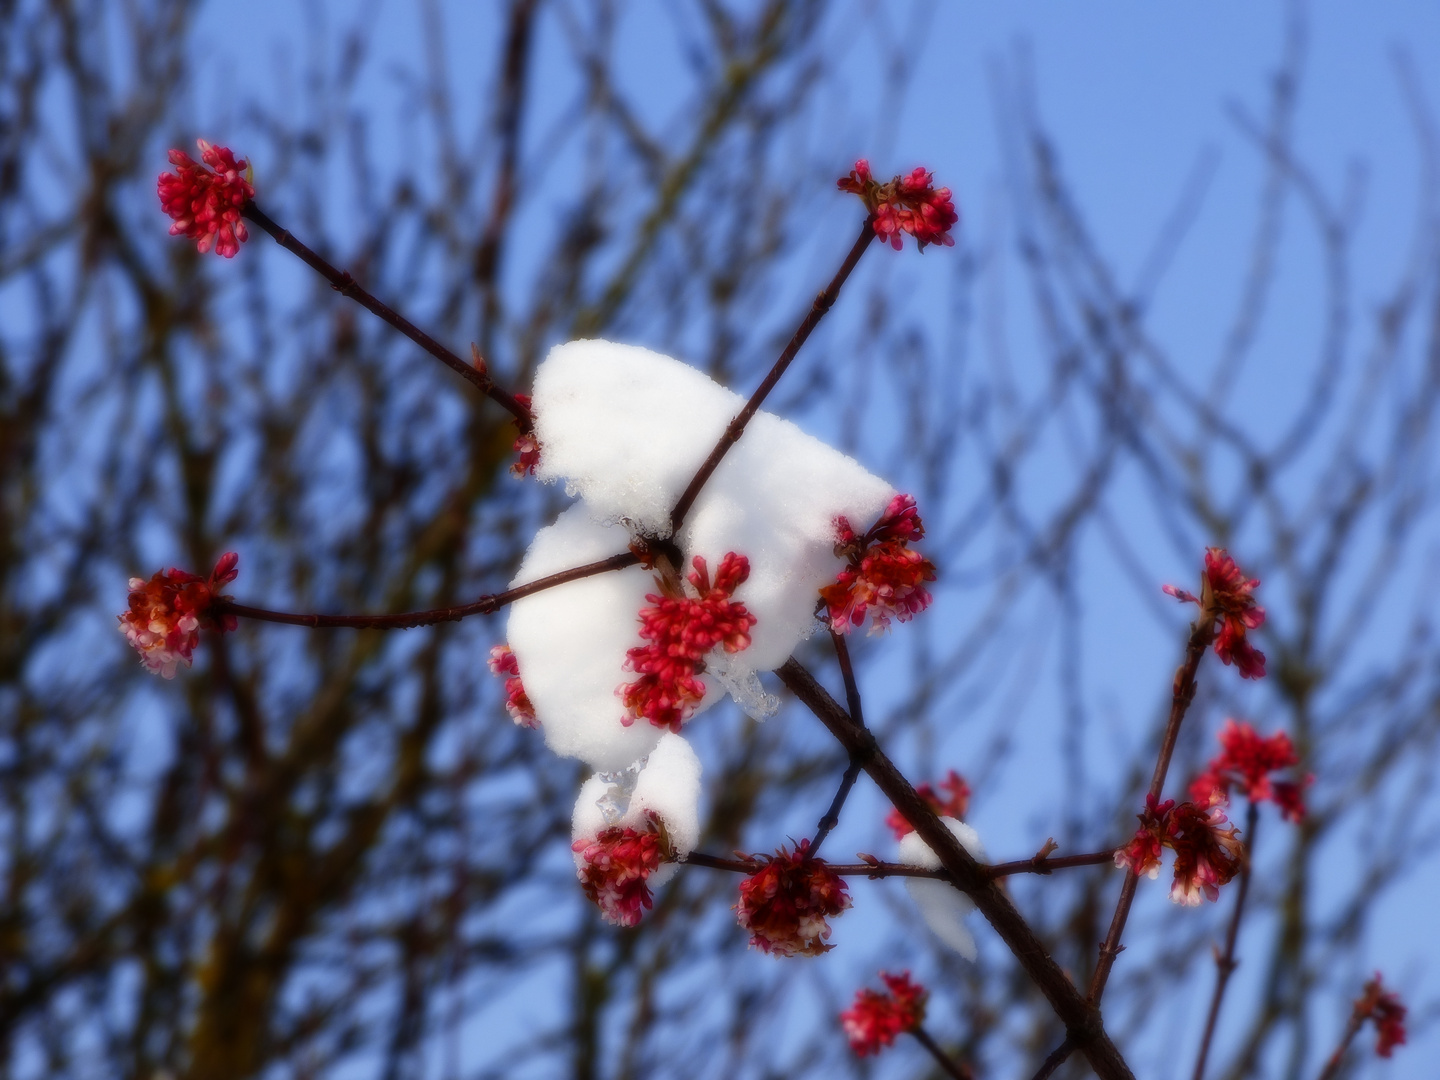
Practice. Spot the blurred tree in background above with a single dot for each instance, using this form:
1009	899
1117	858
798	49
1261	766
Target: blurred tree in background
332	853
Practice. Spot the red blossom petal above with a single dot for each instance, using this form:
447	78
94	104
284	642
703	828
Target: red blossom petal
956	803
166	614
786	903
616	865
205	202
680	632
876	1018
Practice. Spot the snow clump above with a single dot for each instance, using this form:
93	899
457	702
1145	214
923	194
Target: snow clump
943	906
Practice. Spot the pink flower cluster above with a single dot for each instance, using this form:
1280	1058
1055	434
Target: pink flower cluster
206	203
526	447
1225	597
1208	853
517	702
1383	1008
873	1022
1246	761
784	905
167	613
680	631
617	864
955	804
882	575
907	204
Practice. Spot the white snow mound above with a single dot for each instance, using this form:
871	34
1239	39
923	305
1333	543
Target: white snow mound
943	906
667	783
625	429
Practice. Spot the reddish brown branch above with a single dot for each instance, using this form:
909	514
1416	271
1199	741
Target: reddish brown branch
343	283
1352	1028
409	619
1081	1018
831	817
1202	632
736	427
1056	1058
951	1067
1225	963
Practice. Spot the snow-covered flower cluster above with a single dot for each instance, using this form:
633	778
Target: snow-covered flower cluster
1383	1008
876	1018
630	826
785	904
943	907
907	204
1226	598
205	203
625	429
1246	762
680	631
1208	852
882	575
167	613
955	804
615	865
517	702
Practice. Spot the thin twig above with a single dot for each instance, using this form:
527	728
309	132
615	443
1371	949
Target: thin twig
1202	632
831	817
343	283
409	619
736	427
1332	1067
952	1067
1038	865
877	869
1057	1057
1081	1018
1225	963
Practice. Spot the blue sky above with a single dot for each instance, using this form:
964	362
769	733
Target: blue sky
1136	95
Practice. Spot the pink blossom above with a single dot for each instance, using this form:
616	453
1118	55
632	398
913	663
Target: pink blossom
617	864
1225	598
873	1022
1246	761
167	613
517	702
680	631
882	575
1208	853
785	903
205	203
907	204
954	805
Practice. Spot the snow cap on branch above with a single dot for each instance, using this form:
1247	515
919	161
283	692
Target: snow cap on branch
629	827
943	906
626	429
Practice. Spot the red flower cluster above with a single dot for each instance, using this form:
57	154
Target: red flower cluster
527	446
167	613
872	1023
680	631
617	864
517	702
1386	1012
1206	855
206	203
954	805
906	204
1246	762
881	571
1225	598
784	905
